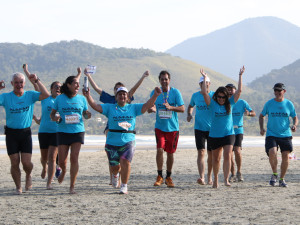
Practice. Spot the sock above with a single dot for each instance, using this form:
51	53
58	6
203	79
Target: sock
276	174
160	173
168	174
123	185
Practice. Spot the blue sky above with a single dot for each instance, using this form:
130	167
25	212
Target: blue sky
153	24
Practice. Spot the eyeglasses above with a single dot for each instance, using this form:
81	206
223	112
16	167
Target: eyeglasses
222	97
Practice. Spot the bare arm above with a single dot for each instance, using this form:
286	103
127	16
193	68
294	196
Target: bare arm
261	125
151	101
204	88
94	85
36	120
25	68
78	73
54	117
136	86
249	113
91	101
295	124
44	92
2	84
189	113
238	92
87	114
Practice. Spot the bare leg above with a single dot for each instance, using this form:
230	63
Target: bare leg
160	158
238	158
15	171
273	159
227	154
125	171
170	161
74	167
63	151
52	154
284	163
27	167
209	167
216	161
201	165
44	158
232	164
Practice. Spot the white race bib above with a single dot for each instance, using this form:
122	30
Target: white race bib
125	125
72	119
164	114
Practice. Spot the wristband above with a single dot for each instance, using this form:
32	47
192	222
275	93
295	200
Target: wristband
36	80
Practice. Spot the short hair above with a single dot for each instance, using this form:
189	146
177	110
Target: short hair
164	72
119	84
17	74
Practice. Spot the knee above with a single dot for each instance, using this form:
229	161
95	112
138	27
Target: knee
160	151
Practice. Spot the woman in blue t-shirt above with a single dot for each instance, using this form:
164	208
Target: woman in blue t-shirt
70	130
221	131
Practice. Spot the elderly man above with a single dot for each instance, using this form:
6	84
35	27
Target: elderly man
18	106
279	132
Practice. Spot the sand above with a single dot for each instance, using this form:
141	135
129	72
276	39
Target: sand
250	202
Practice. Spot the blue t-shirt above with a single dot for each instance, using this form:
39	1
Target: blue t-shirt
121	118
47	125
19	110
107	98
238	115
70	110
166	120
203	113
278	117
222	123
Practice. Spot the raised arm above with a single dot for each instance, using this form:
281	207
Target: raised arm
44	92
238	92
204	88
78	73
149	104
91	101
94	85
25	68
136	86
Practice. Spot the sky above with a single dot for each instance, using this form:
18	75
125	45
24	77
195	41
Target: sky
150	24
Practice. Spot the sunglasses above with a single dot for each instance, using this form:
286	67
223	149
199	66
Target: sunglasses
276	90
222	97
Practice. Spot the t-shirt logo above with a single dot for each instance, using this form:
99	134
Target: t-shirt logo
125	125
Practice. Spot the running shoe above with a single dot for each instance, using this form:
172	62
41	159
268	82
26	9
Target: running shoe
239	177
57	172
115	180
169	182
282	183
159	181
232	178
124	189
273	180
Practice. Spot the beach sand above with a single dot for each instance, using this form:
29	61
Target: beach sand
250	202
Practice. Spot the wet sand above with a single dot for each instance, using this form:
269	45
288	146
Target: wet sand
250	202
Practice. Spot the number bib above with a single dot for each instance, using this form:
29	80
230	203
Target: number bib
164	114
72	119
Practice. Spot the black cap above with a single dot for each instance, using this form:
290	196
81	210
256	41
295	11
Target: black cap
279	87
230	86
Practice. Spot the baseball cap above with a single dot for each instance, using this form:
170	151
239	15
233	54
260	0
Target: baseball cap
202	79
122	89
279	86
230	86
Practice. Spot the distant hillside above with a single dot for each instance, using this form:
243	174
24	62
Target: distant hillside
261	44
57	61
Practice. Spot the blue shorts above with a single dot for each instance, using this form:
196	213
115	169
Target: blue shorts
285	143
115	153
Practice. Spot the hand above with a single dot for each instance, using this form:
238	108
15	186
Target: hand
32	77
86	73
203	73
25	67
86	93
168	106
293	128
242	70
246	113
189	117
262	132
146	74
57	118
157	91
79	70
2	84
87	115
152	110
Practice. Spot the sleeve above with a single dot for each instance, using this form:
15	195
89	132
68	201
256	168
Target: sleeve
293	111
231	100
105	108
247	106
192	102
55	104
35	95
107	98
265	109
179	100
2	99
138	109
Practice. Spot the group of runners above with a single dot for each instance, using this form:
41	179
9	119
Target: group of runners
218	121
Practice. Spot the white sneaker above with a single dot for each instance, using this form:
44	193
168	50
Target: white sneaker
115	180
123	189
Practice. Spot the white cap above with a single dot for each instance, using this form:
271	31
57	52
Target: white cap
122	89
202	79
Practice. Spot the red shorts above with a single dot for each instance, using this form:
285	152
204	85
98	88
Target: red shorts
167	140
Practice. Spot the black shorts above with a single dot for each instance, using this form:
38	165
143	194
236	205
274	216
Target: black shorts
238	140
47	139
18	140
285	143
222	141
69	138
200	137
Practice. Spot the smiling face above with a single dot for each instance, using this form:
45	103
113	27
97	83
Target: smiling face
55	89
116	88
164	81
18	83
221	98
279	95
74	86
122	98
231	91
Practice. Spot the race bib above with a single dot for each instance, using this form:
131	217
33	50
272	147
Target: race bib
164	114
72	119
125	125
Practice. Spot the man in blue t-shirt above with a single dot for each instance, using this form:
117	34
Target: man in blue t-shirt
240	109
201	128
279	132
18	106
167	105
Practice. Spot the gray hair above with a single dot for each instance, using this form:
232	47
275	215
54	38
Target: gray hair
19	75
